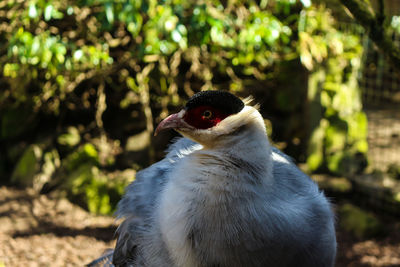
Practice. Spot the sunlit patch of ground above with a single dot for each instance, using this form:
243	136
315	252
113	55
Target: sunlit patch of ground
42	231
383	137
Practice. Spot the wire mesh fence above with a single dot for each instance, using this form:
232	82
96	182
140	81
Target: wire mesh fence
379	83
380	87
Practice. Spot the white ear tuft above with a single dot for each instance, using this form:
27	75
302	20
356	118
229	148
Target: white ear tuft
247	101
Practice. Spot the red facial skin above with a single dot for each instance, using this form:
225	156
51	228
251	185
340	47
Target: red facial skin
196	117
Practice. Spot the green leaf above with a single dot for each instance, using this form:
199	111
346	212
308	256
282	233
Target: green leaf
48	12
70	10
78	54
27	166
335	139
71	138
109	12
32	11
315	150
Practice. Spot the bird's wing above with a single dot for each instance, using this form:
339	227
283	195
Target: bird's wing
104	261
141	196
275	151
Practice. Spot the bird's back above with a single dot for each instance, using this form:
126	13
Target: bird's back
310	215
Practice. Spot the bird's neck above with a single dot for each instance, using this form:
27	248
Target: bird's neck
248	149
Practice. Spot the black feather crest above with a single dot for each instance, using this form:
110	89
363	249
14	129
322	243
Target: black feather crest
223	100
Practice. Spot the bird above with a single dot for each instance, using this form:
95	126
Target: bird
223	196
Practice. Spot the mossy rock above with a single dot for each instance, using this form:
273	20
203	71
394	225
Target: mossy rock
360	223
394	171
333	184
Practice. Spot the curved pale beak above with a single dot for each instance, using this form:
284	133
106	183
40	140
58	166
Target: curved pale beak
173	121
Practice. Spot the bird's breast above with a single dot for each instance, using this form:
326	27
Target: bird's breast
202	211
173	218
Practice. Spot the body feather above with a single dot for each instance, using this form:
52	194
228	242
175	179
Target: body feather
273	223
232	201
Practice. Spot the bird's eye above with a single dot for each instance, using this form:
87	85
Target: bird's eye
207	114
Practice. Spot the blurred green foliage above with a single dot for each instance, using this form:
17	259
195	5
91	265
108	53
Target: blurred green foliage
339	140
81	79
394	171
359	222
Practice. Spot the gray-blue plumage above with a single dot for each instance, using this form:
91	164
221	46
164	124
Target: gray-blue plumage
298	214
229	199
141	195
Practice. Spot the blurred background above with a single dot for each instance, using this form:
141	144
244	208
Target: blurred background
83	84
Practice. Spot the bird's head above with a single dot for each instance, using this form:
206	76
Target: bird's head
210	117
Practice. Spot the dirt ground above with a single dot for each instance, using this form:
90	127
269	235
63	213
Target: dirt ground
45	231
383	137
